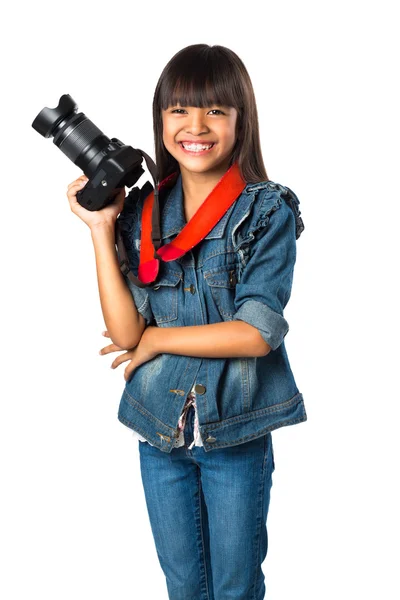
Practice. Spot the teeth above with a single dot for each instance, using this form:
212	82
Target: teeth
196	147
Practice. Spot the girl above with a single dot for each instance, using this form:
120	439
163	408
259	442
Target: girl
208	377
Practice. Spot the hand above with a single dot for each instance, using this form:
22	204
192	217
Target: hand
92	218
138	355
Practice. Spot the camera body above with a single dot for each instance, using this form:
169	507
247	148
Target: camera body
120	167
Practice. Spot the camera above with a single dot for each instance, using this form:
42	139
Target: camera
107	163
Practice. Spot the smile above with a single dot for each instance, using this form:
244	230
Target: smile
196	149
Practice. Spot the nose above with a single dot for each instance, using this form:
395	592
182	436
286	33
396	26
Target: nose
196	124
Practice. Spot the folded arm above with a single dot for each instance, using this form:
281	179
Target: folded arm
228	339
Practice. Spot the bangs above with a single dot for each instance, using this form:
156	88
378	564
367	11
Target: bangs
200	80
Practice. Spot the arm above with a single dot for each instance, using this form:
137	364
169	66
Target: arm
122	319
228	339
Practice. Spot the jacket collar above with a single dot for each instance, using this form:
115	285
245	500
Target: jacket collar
173	215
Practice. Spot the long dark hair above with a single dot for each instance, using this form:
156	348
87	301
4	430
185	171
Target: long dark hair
201	75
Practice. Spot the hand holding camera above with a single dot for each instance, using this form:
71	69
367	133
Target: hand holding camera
105	216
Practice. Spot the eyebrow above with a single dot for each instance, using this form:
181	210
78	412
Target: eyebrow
187	105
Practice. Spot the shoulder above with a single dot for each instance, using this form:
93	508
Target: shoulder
276	202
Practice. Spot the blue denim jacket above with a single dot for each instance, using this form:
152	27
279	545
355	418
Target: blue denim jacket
242	270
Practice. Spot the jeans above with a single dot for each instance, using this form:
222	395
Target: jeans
208	514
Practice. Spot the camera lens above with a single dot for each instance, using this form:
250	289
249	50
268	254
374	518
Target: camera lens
74	134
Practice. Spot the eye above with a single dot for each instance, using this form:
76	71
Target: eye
175	110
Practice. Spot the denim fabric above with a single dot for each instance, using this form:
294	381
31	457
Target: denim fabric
242	270
208	515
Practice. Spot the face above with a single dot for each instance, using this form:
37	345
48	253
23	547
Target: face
188	133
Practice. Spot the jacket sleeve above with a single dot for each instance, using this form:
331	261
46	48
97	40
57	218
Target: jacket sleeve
129	220
266	281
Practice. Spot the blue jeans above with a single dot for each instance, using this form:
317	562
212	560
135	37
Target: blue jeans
208	514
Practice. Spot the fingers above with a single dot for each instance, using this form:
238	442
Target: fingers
74	188
121	359
78	181
127	356
110	348
127	373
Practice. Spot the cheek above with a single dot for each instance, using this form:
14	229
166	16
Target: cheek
169	141
228	135
229	138
168	135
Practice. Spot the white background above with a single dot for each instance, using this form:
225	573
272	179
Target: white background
74	522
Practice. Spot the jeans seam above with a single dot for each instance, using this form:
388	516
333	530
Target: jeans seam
202	536
261	504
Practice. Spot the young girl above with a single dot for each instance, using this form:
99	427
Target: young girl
208	377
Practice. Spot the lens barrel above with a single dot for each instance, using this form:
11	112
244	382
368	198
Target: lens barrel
74	134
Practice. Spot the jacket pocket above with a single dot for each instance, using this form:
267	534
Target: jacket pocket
222	283
163	297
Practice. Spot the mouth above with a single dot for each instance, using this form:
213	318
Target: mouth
196	149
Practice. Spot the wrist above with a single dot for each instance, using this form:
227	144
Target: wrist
152	338
105	228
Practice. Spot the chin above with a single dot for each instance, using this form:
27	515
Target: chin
198	164
194	165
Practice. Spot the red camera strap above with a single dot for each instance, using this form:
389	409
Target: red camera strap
224	194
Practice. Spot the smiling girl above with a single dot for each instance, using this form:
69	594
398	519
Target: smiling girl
208	377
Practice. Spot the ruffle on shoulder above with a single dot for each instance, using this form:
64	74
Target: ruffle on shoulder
271	197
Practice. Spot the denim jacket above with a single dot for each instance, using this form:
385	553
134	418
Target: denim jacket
242	270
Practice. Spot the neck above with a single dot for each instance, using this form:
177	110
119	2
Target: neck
197	186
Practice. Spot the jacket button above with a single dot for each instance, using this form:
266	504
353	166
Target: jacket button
156	287
192	289
232	278
211	439
199	389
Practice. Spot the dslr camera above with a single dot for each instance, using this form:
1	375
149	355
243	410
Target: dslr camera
107	163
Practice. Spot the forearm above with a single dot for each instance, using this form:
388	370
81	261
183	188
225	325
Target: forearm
123	322
228	339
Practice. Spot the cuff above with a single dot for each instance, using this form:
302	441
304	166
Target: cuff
271	325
